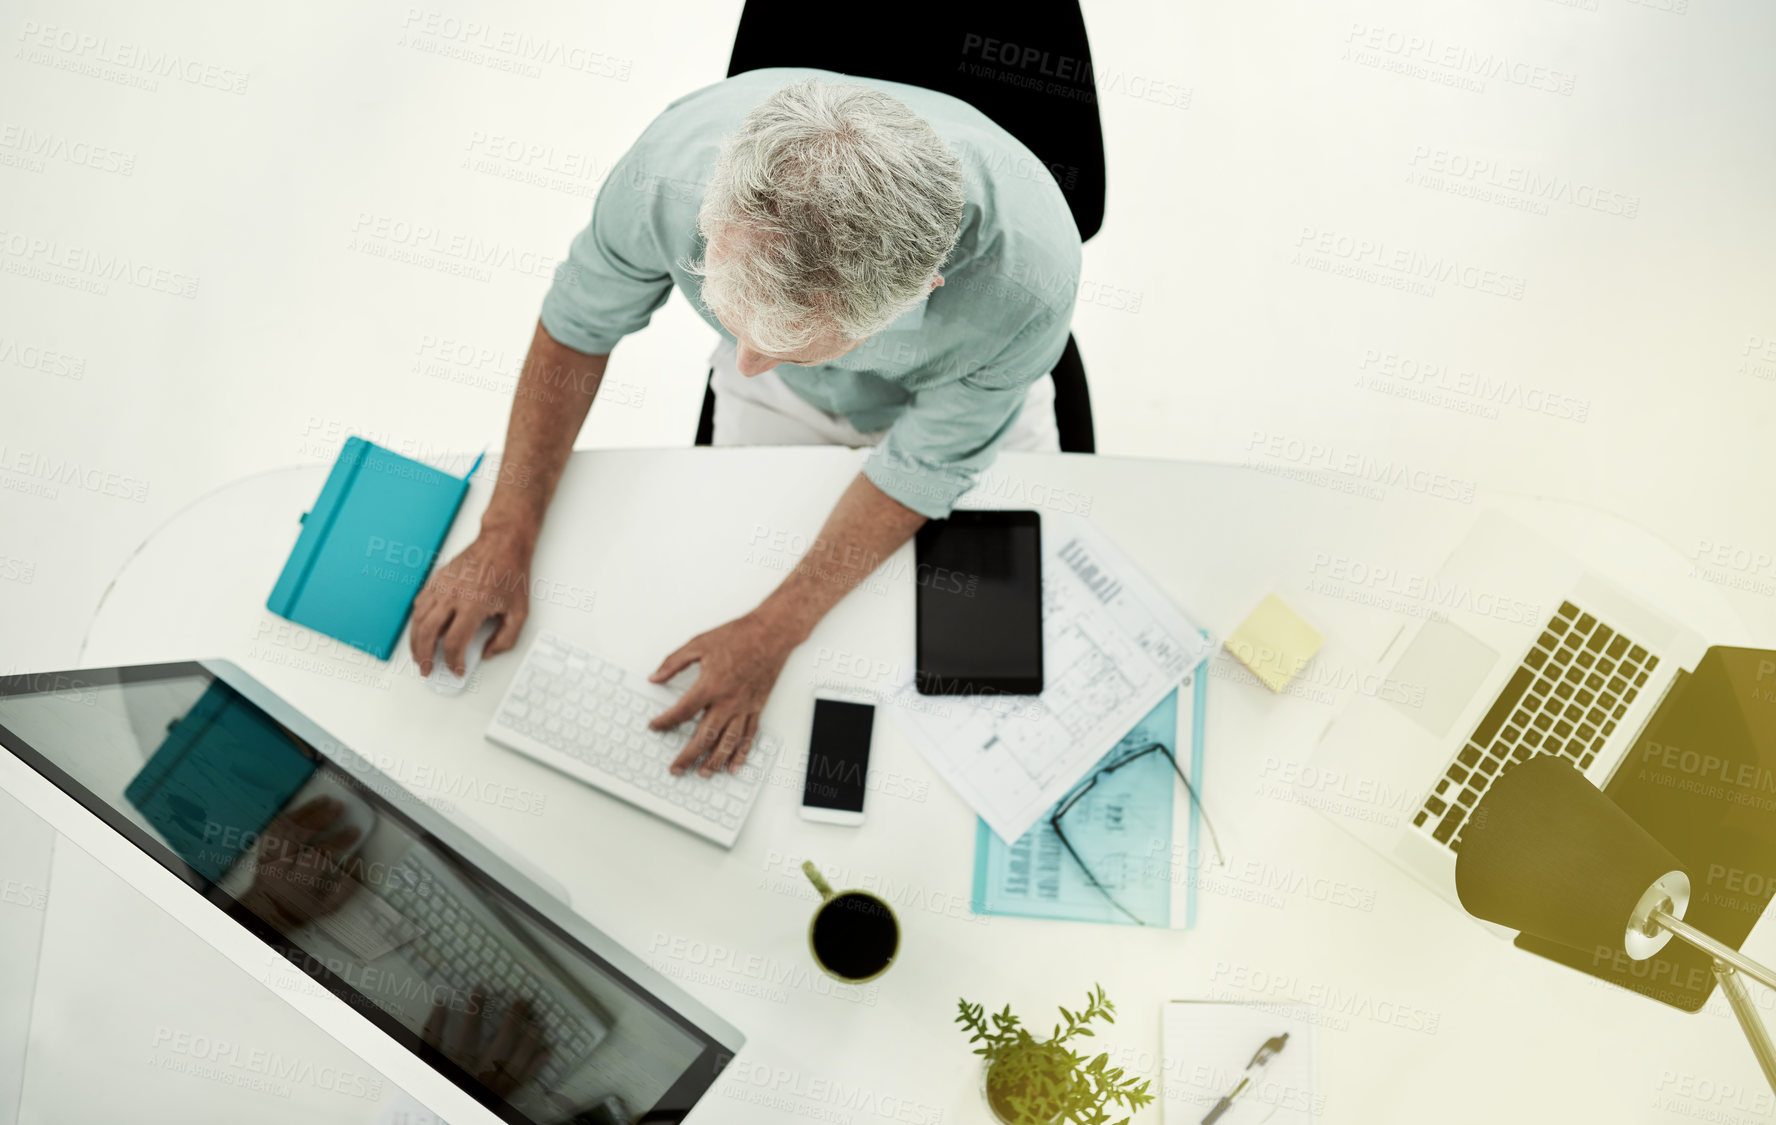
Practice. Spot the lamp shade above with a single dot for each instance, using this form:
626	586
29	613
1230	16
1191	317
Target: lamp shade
1548	853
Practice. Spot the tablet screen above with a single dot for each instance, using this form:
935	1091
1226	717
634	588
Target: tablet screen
349	888
979	613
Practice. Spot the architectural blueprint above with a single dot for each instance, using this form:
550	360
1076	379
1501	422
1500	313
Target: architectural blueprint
1112	647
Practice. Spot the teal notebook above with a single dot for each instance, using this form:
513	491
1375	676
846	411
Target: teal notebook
367	546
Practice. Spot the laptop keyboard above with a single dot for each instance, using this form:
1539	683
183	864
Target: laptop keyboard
1567	696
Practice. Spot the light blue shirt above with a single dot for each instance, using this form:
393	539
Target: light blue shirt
947	379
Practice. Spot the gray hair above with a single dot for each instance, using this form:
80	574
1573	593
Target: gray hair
836	205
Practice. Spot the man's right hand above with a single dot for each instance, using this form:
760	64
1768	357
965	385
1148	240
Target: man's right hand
490	578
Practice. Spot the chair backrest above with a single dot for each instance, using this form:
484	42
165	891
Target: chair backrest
1026	65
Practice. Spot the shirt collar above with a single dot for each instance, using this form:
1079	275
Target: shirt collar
911	320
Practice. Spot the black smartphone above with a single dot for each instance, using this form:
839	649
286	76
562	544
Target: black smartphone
838	756
979	612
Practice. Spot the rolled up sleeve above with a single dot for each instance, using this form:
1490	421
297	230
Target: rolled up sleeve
615	274
949	433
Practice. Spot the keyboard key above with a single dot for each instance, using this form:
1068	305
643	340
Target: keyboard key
1466	798
1640	679
1586	623
1502	706
1457	774
1584	660
1437	806
1651	662
1536	658
1599	638
1446	827
1468	756
1567	610
1616	686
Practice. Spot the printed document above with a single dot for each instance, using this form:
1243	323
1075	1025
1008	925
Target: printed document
1113	646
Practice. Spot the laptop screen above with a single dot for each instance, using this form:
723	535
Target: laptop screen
346	886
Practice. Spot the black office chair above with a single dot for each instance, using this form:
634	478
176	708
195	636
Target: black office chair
1000	58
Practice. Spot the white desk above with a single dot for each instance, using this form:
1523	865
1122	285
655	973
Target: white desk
644	549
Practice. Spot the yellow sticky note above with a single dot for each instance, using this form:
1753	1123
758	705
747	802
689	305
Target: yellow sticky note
1275	643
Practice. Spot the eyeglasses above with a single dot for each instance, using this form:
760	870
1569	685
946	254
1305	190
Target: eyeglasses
1080	791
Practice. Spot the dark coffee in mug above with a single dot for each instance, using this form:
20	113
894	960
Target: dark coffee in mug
855	935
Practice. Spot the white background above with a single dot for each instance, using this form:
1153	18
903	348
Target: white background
1247	143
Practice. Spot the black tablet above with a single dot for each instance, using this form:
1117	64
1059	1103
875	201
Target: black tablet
979	613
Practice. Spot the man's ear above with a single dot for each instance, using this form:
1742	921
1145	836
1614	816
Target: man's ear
935	282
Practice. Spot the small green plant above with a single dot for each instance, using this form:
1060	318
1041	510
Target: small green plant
1035	1082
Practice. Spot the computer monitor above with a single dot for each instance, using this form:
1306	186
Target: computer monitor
292	854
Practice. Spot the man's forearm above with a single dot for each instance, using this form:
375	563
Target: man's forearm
865	527
555	391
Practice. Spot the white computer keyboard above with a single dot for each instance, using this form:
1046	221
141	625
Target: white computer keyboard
588	718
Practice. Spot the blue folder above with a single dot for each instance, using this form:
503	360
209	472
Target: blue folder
367	546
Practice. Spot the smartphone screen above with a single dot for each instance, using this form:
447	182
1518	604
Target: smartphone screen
838	755
979	612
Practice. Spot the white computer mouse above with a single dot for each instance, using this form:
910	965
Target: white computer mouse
446	682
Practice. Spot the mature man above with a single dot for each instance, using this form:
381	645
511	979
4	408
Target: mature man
885	266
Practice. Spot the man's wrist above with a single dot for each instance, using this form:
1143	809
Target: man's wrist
520	529
786	619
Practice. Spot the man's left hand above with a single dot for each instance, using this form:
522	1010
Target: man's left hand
738	664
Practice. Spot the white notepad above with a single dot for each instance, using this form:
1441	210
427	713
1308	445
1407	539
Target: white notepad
1209	1047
